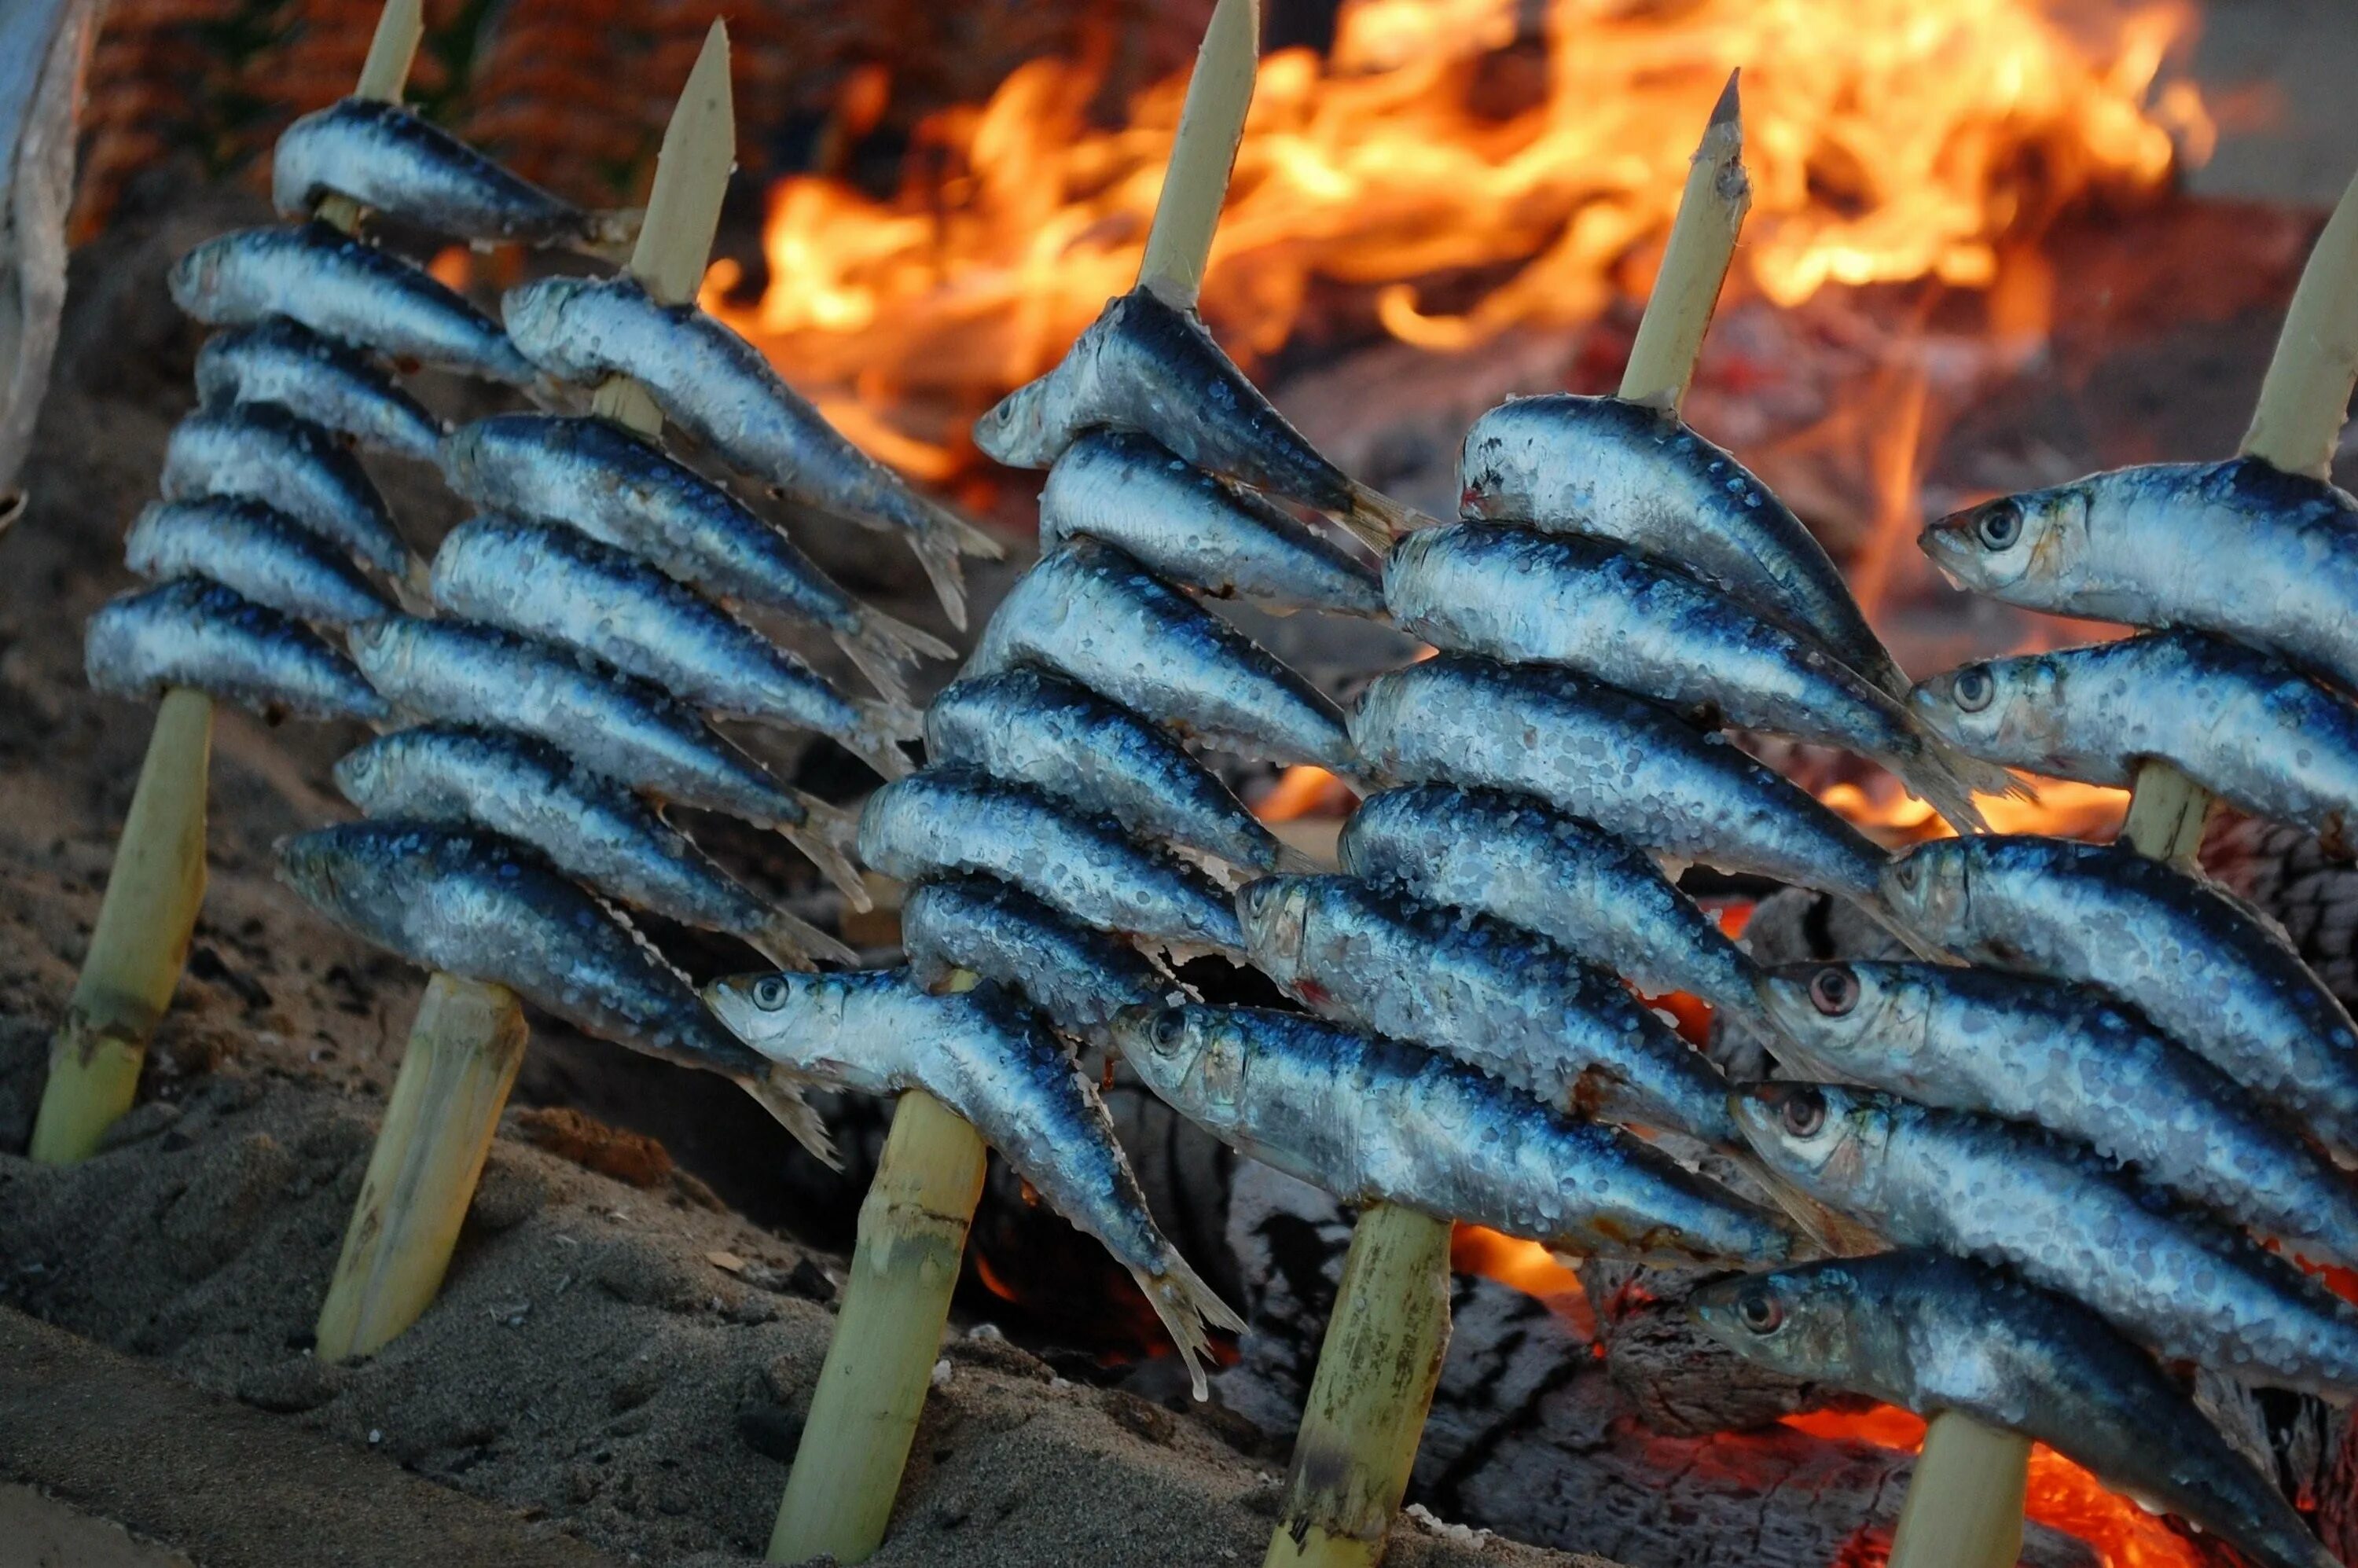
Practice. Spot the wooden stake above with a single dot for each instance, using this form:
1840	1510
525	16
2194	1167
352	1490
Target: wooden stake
1695	261
141	941
1211	124
461	1060
1964	1508
888	1334
392	48
1376	1370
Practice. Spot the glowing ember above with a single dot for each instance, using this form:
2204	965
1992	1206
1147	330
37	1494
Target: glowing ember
1889	140
2062	1495
1305	790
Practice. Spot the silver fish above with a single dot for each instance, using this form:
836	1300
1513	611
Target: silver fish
1632	768
1528	598
345	290
201	635
997	1066
1373	1119
1516	1006
2183	953
1509	857
589	827
2147	545
1636	473
719	388
1146	366
554	583
261	451
384	157
476	906
1933	1334
1197	529
1077	977
943	821
1098	756
332	384
2061	1057
2243	725
1090	613
2183	1286
261	552
614	724
615	486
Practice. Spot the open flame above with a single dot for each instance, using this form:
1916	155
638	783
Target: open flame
1889	140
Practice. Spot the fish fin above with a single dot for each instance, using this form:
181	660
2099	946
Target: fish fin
1932	773
876	738
783	1098
882	648
826	836
880	671
1185	1304
793	943
1290	861
944	568
1981	776
1375	519
968	539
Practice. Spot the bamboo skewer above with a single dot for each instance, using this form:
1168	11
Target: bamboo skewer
149	914
1211	128
468	1041
1382	1359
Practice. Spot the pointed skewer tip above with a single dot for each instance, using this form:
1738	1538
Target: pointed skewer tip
1730	107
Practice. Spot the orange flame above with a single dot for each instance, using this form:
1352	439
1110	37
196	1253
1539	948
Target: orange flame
1887	140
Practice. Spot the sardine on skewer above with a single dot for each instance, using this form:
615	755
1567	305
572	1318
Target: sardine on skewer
2063	1057
344	289
2177	1282
1369	1120
1513	1005
561	586
1512	857
199	634
1093	614
1196	529
2245	725
459	673
278	360
261	451
1933	1334
614	486
1632	768
1147	366
717	387
1523	597
1079	976
996	1065
476	906
1637	473
2184	953
386	159
946	820
259	550
590	827
1063	739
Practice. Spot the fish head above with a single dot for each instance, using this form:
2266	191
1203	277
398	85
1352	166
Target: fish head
1190	1056
2007	546
1275	914
192	278
1014	430
2001	710
792	1019
361	773
533	314
1851	1020
1796	1321
1928	890
1826	1139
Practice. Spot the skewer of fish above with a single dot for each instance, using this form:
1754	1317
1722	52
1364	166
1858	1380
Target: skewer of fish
181	637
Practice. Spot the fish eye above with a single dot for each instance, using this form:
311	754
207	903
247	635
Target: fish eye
1803	1112
1907	873
770	993
1169	1030
1259	895
1999	526
1833	990
1973	687
1759	1307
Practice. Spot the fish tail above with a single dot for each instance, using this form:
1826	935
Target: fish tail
1932	777
876	738
826	836
882	648
783	1098
1289	861
1185	1304
1375	519
938	554
793	943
